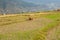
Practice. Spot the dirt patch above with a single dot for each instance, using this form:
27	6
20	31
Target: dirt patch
25	26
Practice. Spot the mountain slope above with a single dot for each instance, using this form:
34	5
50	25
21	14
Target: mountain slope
13	6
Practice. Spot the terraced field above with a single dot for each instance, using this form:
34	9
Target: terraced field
42	27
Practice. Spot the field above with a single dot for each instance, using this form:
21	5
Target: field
43	26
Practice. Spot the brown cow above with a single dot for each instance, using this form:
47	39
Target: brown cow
30	18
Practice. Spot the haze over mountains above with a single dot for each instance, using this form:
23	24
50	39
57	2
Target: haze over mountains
53	4
14	6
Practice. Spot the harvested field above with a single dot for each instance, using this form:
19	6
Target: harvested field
42	27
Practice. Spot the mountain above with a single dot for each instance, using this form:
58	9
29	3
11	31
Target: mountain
14	6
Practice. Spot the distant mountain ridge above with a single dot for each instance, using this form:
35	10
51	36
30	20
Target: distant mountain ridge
14	6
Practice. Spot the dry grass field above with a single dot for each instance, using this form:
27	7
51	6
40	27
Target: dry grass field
43	26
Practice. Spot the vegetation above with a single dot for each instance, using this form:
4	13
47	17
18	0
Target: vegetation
36	34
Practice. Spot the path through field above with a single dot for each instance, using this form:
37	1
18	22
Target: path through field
54	34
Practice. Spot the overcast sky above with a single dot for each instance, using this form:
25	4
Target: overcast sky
42	1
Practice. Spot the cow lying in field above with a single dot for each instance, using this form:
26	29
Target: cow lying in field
30	18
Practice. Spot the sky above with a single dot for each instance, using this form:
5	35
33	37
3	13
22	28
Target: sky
42	1
49	3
